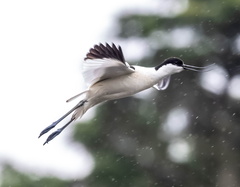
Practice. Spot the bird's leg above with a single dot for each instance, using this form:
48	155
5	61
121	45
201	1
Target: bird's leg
60	119
56	122
57	132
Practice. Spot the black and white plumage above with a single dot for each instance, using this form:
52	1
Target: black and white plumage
109	77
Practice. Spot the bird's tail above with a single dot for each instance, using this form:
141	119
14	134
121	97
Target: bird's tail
78	95
81	108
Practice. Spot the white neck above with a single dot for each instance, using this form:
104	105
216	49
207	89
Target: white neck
168	69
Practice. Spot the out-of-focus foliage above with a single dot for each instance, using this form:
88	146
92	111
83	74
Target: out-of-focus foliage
11	177
185	136
133	140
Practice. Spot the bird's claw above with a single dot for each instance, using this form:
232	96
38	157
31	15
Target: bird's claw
53	135
44	131
57	132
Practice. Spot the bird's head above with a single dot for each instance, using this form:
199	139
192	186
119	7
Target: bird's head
175	65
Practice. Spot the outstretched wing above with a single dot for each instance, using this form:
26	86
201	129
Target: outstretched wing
104	62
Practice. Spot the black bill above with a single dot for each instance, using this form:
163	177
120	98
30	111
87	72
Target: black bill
198	69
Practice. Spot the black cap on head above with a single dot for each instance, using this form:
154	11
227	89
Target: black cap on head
172	60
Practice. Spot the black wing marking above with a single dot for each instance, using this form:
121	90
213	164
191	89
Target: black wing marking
100	51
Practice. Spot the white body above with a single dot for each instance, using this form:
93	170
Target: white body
123	86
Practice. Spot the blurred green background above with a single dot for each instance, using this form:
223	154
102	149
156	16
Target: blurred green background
187	135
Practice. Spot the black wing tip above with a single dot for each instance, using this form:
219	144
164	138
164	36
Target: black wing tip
101	51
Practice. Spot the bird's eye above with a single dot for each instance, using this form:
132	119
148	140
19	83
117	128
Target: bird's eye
177	62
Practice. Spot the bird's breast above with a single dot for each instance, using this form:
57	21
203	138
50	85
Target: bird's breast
122	86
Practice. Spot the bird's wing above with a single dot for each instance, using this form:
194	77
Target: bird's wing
163	83
104	62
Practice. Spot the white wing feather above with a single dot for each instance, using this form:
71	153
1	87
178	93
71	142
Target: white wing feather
99	69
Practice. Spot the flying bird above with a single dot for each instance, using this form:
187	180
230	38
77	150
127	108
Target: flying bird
109	77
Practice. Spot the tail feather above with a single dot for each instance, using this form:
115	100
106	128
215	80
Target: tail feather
76	96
